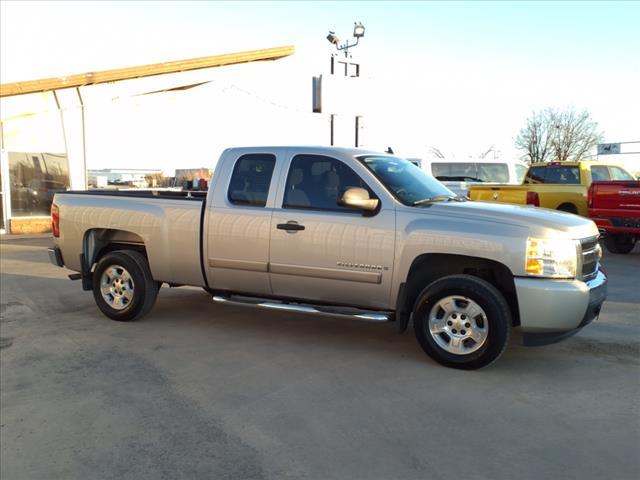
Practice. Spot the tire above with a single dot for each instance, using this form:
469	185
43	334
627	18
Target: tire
128	292
619	243
481	335
569	208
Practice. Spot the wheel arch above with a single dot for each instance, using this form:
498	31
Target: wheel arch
99	241
428	267
568	207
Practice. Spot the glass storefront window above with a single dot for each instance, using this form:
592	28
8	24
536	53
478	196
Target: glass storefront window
34	179
1	200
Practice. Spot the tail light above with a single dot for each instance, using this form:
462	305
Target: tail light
55	220
533	199
590	197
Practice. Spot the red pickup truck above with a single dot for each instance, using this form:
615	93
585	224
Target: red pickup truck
615	207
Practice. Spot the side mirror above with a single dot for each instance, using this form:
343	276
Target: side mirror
358	198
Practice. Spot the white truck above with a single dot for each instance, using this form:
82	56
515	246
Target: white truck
342	232
460	174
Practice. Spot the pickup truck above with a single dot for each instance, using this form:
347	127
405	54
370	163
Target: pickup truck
555	185
615	207
343	232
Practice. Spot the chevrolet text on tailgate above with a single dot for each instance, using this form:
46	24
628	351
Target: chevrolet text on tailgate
341	232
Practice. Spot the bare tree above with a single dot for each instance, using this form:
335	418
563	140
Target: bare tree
487	151
575	134
436	152
558	135
535	138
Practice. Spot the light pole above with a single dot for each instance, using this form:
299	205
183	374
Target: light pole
348	68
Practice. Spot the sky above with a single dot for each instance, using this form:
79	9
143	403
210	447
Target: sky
460	76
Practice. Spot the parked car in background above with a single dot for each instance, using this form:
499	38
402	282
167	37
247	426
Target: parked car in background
343	232
615	207
459	175
555	185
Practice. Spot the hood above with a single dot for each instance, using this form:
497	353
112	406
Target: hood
534	218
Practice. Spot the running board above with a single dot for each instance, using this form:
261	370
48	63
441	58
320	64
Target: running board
336	312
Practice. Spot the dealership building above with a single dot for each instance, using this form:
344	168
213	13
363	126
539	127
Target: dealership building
56	133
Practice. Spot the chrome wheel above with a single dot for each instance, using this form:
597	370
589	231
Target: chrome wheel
458	325
116	286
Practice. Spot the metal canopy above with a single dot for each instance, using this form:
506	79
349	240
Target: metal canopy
92	78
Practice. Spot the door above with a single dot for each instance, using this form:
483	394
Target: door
238	224
323	252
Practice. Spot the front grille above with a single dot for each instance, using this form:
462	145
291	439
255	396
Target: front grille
590	257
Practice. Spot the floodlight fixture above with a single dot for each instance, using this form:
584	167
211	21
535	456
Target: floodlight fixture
333	38
358	30
358	33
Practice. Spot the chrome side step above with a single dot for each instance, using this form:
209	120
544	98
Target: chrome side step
336	312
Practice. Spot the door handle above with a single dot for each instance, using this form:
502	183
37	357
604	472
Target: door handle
290	227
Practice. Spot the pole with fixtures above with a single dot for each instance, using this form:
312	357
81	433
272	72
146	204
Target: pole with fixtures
351	69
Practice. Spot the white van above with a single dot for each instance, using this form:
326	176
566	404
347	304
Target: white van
458	175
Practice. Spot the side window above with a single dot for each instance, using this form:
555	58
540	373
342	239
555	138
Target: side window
619	174
316	182
250	179
492	172
599	173
521	171
535	175
453	171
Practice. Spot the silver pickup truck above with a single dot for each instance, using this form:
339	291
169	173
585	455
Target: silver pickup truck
341	232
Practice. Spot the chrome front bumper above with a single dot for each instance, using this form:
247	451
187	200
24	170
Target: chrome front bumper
552	310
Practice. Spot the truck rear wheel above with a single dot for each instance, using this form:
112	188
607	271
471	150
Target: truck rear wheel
619	243
123	287
462	322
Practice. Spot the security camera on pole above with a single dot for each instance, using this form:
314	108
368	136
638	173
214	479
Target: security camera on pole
339	93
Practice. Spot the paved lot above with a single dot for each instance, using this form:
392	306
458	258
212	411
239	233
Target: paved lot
197	390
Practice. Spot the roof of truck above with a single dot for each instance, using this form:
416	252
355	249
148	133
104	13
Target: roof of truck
574	163
351	151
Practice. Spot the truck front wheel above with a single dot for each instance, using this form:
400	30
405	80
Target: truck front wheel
123	287
619	243
462	322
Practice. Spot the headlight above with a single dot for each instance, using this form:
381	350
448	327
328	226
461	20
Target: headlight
555	258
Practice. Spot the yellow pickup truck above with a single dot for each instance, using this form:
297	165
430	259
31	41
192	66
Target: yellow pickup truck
556	185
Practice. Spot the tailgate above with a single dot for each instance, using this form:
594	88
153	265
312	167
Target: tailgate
506	194
621	196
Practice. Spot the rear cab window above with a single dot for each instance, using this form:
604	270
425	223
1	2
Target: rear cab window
535	175
250	180
554	174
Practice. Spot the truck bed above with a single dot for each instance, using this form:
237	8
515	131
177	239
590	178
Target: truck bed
167	224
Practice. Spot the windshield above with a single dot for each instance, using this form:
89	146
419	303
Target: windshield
471	171
407	182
